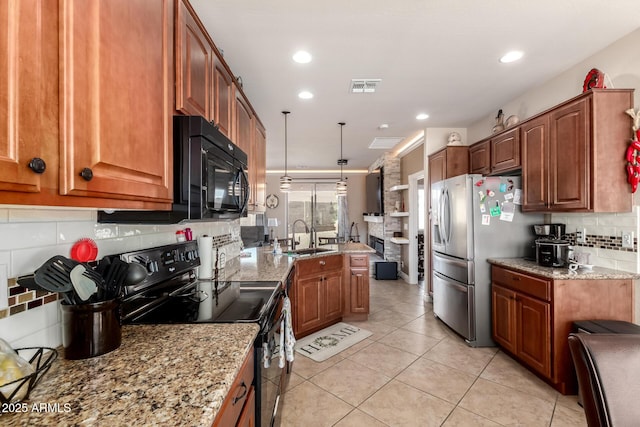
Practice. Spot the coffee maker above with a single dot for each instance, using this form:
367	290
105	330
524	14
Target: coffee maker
552	250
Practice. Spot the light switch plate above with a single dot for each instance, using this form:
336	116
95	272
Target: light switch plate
4	287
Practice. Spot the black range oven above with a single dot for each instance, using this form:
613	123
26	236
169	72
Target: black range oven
171	293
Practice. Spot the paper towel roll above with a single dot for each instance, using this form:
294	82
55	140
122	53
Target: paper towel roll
205	249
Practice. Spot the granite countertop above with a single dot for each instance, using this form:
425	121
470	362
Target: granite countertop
596	273
160	375
262	264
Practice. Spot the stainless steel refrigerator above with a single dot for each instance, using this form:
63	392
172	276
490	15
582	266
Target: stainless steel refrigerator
474	218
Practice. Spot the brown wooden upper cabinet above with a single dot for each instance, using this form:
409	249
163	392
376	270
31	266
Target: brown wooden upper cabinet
505	151
194	61
480	158
116	130
223	98
89	121
29	113
448	162
573	155
496	155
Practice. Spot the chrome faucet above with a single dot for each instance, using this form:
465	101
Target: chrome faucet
293	232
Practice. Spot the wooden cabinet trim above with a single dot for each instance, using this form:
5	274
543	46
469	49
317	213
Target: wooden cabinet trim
239	393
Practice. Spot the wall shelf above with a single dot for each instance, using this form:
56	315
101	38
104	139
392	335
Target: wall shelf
399	187
399	240
373	218
396	214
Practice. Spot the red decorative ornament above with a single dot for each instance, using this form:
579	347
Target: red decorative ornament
632	155
593	80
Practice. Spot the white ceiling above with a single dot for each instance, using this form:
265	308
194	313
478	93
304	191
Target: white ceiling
434	56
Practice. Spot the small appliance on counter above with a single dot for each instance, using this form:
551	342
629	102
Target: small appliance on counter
552	250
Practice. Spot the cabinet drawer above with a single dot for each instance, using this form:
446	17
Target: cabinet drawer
318	264
359	260
533	286
238	395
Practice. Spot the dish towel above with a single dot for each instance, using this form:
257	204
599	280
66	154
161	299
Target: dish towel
287	339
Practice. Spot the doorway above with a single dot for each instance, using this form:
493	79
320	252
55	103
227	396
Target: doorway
315	204
417	216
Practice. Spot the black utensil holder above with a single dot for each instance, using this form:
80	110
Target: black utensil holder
90	330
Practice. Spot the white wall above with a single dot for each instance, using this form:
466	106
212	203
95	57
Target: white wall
29	236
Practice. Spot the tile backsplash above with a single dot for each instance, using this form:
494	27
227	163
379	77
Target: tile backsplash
30	236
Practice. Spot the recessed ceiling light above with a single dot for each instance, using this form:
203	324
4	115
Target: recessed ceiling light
302	57
512	56
305	94
422	116
383	126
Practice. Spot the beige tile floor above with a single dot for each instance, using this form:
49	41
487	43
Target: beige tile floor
414	371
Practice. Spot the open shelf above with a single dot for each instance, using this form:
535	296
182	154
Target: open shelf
399	187
396	214
399	240
373	218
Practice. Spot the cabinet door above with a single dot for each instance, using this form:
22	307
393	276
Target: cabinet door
223	98
359	290
332	284
116	90
569	144
534	333
437	166
28	93
248	414
309	303
193	57
505	151
479	158
457	161
535	151
243	129
260	155
504	317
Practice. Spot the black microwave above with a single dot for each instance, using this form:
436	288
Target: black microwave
210	178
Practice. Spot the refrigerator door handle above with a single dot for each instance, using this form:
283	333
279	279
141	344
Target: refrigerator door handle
440	215
447	214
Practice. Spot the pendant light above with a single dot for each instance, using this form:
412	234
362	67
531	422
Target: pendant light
341	186
285	180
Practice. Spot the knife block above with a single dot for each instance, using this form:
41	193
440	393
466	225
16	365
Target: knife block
90	330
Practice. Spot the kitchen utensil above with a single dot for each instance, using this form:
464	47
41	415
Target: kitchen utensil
53	276
136	273
116	273
28	281
83	285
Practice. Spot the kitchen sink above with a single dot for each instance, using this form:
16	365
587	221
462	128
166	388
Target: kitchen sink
310	251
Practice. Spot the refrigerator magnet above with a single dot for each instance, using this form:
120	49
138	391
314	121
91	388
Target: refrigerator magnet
482	196
508	211
517	196
503	187
508	196
483	208
486	219
495	211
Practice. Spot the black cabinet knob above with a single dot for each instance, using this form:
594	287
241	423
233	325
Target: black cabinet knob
37	165
86	174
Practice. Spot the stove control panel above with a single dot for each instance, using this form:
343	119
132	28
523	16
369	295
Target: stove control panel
164	262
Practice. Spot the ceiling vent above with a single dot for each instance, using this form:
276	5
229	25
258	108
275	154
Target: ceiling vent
364	85
342	162
385	143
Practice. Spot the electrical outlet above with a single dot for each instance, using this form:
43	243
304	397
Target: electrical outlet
581	235
627	239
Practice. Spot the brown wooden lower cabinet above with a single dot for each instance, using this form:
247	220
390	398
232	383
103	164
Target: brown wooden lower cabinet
532	317
239	407
357	296
317	294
